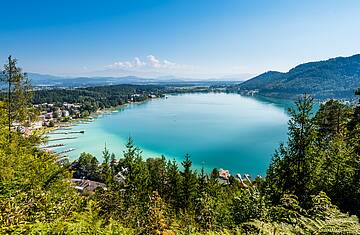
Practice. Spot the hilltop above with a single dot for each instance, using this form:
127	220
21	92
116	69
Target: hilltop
333	78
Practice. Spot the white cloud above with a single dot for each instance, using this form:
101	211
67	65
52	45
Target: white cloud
169	63
150	62
153	62
152	66
138	62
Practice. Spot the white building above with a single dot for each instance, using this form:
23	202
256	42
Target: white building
65	113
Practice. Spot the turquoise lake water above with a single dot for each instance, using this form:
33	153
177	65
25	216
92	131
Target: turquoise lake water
218	130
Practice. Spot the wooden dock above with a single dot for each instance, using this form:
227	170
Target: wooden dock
65	138
66	151
53	146
66	133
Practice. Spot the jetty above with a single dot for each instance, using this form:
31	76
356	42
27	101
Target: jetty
65	128
52	146
64	138
66	151
61	158
66	133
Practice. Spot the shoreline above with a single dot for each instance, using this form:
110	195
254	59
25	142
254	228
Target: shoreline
91	117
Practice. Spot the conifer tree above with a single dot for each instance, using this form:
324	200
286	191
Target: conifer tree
354	143
107	171
293	164
87	167
202	180
18	95
173	184
188	186
157	171
330	120
136	172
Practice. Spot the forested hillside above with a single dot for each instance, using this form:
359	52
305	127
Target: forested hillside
333	78
98	97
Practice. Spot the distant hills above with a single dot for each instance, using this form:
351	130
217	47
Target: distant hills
43	80
58	81
334	78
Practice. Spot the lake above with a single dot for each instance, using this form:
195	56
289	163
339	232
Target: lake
218	130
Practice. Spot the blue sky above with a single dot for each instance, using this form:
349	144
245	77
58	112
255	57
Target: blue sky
192	38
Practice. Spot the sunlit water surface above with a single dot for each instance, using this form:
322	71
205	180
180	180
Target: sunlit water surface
218	130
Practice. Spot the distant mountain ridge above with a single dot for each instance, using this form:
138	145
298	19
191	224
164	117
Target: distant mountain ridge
51	80
43	80
334	78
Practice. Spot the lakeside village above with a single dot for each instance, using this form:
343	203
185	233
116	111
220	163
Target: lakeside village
61	114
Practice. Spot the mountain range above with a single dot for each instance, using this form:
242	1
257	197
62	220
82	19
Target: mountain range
334	78
59	81
43	80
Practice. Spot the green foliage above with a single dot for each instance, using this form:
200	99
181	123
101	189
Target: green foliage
33	188
86	167
173	185
188	184
333	78
86	222
331	120
94	98
18	96
156	223
204	210
248	205
157	174
321	155
136	171
292	166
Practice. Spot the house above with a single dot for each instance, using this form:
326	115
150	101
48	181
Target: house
65	113
57	113
36	125
49	115
89	186
224	176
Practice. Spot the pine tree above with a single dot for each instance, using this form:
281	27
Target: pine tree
157	171
106	155
188	185
136	172
301	139
107	171
292	167
330	120
173	184
203	179
87	167
19	95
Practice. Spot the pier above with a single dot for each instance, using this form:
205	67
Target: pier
66	151
66	132
65	138
53	146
